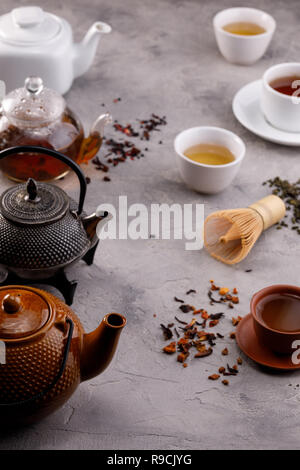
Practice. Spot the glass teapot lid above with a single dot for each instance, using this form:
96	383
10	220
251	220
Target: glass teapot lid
33	105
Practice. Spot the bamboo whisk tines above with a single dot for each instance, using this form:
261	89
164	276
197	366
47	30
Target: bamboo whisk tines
229	235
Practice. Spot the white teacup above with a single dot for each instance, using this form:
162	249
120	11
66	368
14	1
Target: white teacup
282	111
238	49
204	178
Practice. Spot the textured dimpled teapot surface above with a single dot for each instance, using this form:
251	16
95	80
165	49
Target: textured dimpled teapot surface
39	228
31	365
37	248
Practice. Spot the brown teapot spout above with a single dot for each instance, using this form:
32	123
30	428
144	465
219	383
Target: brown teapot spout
100	345
93	224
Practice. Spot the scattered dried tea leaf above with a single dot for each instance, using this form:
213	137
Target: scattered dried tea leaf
170	348
186	308
212	299
166	331
204	353
232	370
225	352
223	290
216	316
191	291
222	370
183	344
290	194
182	356
239	361
214	377
225	382
236	321
178	300
196	312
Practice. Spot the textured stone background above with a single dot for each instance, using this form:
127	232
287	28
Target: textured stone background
162	57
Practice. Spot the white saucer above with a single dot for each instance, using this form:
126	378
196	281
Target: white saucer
246	109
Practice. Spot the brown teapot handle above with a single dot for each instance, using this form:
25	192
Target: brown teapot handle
56	379
59	156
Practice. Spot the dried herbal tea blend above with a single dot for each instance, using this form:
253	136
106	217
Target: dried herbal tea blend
118	151
290	194
194	339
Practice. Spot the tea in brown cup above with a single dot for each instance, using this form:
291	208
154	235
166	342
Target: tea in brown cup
276	317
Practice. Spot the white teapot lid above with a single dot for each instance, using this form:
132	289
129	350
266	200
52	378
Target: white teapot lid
28	26
33	105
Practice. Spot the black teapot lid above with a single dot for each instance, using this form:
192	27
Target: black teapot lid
34	203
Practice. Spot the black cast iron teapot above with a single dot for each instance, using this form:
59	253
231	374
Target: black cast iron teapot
43	230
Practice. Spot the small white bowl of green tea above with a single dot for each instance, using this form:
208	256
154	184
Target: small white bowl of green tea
280	97
243	34
276	317
208	157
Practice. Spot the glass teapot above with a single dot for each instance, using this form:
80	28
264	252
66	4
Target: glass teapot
36	115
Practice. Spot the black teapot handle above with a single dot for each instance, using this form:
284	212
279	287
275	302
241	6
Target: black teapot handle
59	156
56	379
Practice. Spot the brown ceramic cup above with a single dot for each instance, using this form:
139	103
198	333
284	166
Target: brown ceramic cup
278	341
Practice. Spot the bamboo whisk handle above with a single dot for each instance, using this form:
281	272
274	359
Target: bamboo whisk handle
271	209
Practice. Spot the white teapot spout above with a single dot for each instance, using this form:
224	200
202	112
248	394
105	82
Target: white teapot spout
84	52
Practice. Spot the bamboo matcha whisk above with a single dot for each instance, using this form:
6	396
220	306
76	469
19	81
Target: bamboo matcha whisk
229	235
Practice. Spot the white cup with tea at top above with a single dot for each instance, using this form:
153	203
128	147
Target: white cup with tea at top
280	96
243	34
208	157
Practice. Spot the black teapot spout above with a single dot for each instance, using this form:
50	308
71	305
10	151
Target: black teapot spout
94	223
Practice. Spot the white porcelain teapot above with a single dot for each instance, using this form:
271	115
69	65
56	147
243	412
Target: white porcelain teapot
34	42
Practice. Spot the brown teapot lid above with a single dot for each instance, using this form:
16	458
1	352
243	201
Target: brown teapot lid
34	203
23	312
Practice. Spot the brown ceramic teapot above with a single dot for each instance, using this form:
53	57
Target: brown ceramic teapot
35	115
45	354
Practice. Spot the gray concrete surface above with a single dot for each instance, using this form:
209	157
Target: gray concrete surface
162	57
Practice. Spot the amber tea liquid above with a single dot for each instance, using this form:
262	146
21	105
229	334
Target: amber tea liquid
209	154
280	312
243	28
66	137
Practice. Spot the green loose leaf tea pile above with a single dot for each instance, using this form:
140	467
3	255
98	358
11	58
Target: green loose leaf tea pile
290	194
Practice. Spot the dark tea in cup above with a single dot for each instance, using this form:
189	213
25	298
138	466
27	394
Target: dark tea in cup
280	311
286	85
276	317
